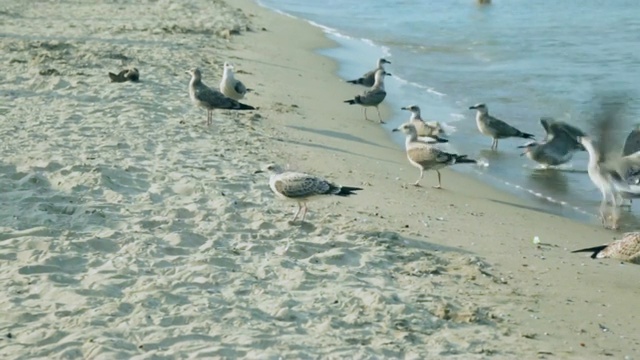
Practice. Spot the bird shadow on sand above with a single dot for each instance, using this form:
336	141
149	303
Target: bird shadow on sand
392	239
331	148
337	135
520	206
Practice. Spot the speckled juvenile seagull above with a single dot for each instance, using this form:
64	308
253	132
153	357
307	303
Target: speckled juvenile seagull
302	188
425	156
229	85
369	78
211	99
625	249
494	127
373	96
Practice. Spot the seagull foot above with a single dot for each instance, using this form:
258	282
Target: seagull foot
437	187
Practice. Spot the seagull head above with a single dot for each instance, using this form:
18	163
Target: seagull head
413	108
228	66
481	107
380	74
195	73
383	61
528	147
270	168
406	128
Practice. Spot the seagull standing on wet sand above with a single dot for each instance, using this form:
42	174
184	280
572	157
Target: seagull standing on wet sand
302	188
431	129
494	127
210	99
425	156
625	249
230	86
369	78
373	96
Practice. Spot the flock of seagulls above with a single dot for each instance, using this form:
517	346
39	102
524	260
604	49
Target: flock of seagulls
616	182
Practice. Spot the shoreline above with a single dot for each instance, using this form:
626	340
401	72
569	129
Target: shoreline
140	232
533	189
512	214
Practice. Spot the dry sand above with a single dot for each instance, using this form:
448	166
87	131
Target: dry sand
129	230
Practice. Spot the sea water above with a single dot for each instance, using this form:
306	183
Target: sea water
524	59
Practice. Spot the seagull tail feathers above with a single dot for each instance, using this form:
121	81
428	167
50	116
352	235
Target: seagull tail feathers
351	102
242	106
526	135
594	250
347	190
462	159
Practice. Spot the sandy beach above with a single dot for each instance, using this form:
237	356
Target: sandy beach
131	230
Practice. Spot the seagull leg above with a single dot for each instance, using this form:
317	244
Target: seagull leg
304	212
297	212
379	117
417	183
603	203
439	182
364	109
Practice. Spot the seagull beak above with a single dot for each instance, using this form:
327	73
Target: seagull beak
404	108
258	171
472	107
394	130
387	74
525	151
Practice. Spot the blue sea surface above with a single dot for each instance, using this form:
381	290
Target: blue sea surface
524	59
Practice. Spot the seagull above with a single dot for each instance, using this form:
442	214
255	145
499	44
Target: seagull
211	99
632	143
556	129
425	156
628	167
625	249
373	96
431	129
302	188
369	78
229	85
551	153
608	181
604	174
131	74
559	144
494	127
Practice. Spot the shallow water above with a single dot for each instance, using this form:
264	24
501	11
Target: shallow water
523	59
